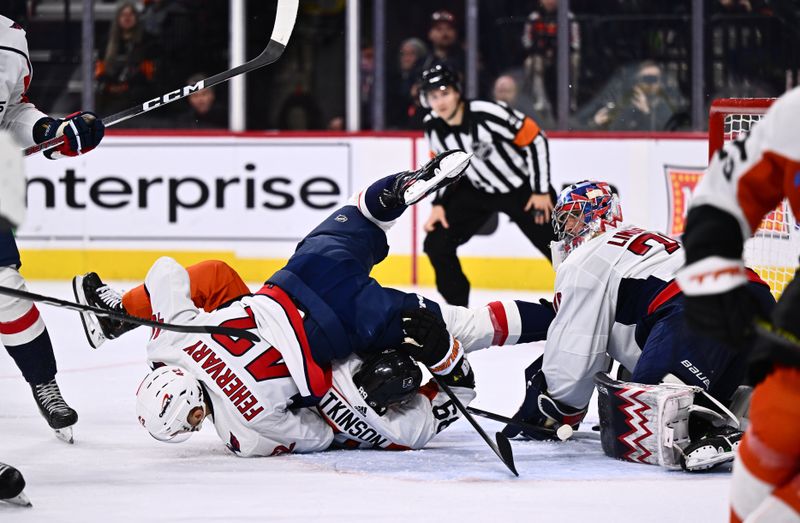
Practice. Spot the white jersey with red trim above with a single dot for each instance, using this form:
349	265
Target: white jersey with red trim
408	426
16	113
603	289
249	384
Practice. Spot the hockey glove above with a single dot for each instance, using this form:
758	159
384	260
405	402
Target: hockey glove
83	131
427	341
540	410
717	302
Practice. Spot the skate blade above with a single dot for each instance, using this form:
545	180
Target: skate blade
20	499
451	167
65	434
91	325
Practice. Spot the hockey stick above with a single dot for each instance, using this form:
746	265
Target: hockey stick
284	23
202	329
502	448
776	335
543	431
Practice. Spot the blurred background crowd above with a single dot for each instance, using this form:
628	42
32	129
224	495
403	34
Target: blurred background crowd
629	62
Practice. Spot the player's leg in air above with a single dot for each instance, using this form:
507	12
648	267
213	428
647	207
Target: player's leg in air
25	337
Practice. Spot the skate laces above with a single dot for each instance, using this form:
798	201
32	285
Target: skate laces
50	397
109	297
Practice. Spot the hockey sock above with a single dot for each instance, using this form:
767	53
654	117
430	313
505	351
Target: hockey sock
35	359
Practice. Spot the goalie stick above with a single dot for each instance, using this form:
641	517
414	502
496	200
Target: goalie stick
502	448
282	30
549	433
210	329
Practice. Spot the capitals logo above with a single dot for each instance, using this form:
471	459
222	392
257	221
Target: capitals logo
681	182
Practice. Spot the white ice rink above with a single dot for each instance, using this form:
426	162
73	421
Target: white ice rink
115	472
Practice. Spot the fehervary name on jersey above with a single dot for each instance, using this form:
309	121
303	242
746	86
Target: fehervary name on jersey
347	421
236	391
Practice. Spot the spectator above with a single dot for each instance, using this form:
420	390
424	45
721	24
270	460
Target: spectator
404	111
509	173
506	89
300	112
446	50
540	40
646	106
125	74
204	112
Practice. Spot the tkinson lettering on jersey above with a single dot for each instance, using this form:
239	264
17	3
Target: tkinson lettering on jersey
349	422
241	397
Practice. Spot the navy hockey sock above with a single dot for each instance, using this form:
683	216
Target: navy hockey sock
375	202
35	359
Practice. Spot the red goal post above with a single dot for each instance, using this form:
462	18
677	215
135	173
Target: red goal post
775	246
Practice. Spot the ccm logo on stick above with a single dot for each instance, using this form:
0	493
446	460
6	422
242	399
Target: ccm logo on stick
173	95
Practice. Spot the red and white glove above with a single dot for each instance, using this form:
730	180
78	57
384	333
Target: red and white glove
83	131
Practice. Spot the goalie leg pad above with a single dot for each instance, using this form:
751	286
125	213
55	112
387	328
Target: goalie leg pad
644	423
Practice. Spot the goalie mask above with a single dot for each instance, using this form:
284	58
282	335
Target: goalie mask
164	401
583	210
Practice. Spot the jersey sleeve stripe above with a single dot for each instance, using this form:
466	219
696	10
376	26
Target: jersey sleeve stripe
319	380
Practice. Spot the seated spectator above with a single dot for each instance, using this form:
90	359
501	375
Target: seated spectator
204	112
403	97
445	48
506	89
125	74
646	105
540	39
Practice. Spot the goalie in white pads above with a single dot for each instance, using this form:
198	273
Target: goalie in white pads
616	299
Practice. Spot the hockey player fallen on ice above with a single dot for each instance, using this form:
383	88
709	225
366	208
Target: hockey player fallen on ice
745	180
616	299
312	317
22	330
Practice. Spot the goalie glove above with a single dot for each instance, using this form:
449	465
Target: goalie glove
83	132
540	410
717	300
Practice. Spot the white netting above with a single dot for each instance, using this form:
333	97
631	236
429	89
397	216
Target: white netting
773	250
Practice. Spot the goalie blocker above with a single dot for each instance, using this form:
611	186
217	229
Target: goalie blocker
662	425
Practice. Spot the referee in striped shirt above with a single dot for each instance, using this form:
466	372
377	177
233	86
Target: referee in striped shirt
509	173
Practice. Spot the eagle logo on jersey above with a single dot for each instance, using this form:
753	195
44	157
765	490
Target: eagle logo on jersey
233	444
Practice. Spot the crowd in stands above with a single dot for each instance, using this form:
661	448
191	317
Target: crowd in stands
629	61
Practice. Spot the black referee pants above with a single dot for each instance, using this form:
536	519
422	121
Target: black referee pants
466	210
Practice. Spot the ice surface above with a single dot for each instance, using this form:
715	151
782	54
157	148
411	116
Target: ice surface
115	472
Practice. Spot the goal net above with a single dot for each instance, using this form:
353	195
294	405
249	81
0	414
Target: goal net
773	250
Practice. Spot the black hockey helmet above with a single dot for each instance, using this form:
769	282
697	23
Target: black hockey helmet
437	77
387	378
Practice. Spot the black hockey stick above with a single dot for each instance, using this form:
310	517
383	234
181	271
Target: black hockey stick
209	329
502	448
282	30
543	431
776	335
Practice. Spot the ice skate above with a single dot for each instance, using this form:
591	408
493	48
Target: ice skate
60	416
12	485
717	447
89	289
412	186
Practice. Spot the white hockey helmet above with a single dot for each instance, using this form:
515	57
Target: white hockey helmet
164	401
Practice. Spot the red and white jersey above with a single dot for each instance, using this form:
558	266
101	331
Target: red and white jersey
750	175
16	113
602	290
250	384
408	426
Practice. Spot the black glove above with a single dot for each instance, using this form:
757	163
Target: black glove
540	410
83	131
427	339
727	317
785	319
